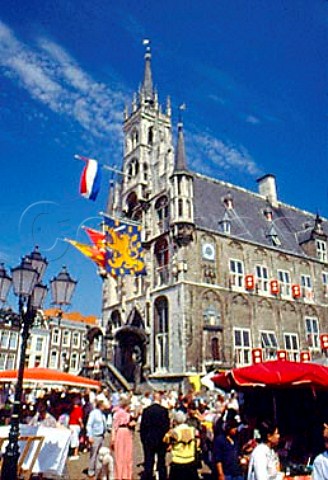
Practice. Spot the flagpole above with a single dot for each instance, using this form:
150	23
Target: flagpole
105	167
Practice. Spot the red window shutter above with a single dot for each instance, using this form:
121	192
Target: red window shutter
282	354
296	291
257	355
305	356
324	341
274	287
249	282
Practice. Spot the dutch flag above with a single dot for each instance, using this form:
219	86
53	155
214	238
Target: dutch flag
90	178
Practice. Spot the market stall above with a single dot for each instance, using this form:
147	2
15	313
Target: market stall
294	394
49	377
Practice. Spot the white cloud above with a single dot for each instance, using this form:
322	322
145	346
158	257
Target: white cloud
252	119
54	78
220	155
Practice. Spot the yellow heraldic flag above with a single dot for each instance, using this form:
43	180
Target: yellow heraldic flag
96	254
125	253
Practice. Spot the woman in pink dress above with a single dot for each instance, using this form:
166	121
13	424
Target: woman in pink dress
122	441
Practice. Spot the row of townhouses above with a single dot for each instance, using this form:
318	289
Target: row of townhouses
59	342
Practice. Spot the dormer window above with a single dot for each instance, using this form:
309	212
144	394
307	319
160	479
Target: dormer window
273	237
318	225
225	224
228	201
268	214
321	250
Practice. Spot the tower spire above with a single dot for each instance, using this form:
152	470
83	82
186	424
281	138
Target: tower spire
147	85
180	154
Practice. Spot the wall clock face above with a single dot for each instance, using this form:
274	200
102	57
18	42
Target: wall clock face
208	251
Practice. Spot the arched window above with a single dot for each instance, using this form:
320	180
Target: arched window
136	167
128	144
180	207
161	326
129	171
162	211
162	261
133	206
115	319
215	349
188	202
179	180
162	252
150	135
145	171
134	138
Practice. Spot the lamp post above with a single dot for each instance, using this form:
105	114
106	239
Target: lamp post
62	289
26	281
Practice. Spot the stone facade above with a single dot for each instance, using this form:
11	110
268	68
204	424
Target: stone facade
228	270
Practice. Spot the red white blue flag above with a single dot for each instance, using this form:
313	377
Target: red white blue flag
90	179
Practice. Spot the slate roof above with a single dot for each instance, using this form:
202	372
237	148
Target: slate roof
247	219
180	152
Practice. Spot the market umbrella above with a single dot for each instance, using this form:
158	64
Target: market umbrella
276	373
47	376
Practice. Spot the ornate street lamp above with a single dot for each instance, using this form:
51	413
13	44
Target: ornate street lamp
62	289
27	286
5	283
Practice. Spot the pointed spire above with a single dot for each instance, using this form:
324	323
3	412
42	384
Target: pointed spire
180	154
147	86
168	107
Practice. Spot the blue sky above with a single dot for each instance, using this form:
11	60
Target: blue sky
253	74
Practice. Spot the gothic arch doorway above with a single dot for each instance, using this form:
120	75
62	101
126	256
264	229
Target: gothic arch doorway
131	341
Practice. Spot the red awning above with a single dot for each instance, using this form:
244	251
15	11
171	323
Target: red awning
276	373
47	376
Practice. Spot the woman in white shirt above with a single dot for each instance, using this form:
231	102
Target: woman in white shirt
264	462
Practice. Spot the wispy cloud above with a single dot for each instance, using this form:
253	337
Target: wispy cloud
213	156
52	77
252	119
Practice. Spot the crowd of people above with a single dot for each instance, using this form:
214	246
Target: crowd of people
186	431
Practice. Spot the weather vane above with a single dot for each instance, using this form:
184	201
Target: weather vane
182	108
146	43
